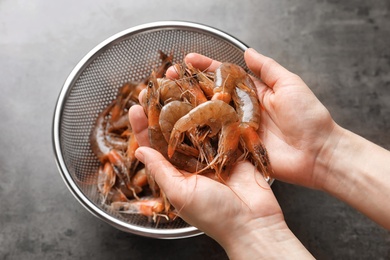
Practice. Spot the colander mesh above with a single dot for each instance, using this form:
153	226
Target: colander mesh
129	58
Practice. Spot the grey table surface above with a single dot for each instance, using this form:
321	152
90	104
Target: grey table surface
340	48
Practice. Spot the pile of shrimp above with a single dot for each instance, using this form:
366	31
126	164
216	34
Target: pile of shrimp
202	122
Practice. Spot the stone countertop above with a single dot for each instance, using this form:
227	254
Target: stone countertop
340	49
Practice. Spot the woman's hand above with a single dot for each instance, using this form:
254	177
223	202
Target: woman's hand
308	148
295	125
241	214
213	207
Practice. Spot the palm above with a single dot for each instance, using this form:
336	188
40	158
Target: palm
244	196
293	120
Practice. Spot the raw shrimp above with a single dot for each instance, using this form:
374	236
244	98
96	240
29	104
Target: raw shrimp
98	142
115	195
206	80
192	91
116	142
120	125
170	113
106	180
197	88
107	153
132	145
127	94
101	140
201	122
232	82
166	62
148	206
226	78
139	180
121	176
169	91
249	111
218	116
122	170
156	137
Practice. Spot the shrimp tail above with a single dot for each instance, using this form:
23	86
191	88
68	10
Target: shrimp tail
257	150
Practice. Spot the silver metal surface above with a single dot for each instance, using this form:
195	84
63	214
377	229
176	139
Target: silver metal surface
127	56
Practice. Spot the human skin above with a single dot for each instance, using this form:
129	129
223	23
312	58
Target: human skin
305	146
308	148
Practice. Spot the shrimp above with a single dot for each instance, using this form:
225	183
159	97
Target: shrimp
166	62
119	125
169	91
148	206
249	111
104	137
202	147
122	170
192	91
156	137
115	195
156	191
170	113
98	142
132	145
226	78
140	179
128	91
200	122
218	116
116	142
106	149
106	180
206	80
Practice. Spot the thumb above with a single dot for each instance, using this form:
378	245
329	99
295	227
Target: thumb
162	171
139	124
269	71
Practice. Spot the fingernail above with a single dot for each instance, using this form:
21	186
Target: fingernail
139	154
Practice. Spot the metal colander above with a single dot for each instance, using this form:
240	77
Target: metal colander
130	55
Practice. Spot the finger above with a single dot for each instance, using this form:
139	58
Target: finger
270	72
172	72
139	124
169	179
199	61
202	62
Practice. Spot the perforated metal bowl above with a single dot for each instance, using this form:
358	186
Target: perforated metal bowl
127	56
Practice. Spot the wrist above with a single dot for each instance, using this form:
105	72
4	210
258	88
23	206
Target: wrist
266	237
342	162
325	170
357	172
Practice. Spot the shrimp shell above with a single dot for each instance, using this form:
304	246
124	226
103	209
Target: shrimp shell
170	113
215	114
156	137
